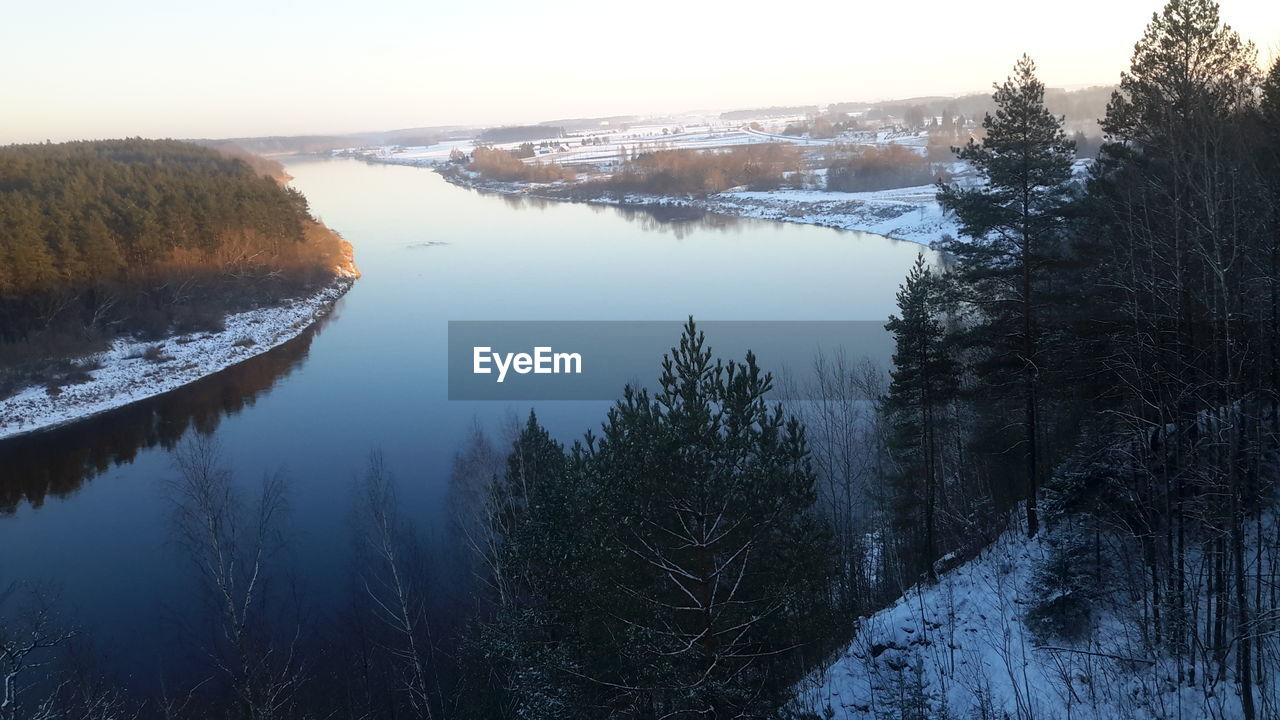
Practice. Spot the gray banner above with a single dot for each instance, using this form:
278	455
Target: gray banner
594	360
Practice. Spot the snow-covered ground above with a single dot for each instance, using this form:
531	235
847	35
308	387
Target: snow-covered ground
570	152
127	374
961	649
911	213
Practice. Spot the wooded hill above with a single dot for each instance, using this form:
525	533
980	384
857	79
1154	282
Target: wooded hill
145	237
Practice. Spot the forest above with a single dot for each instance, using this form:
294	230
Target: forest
142	237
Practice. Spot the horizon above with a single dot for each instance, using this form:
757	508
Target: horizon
150	70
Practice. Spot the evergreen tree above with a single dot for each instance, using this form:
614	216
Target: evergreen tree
1188	241
512	665
714	571
672	565
1269	160
1012	225
923	382
526	499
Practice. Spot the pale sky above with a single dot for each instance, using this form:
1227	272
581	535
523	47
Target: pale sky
175	68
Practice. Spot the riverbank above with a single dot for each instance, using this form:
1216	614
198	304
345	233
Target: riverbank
911	214
131	370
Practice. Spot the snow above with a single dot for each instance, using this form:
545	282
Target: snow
911	213
125	376
966	639
574	153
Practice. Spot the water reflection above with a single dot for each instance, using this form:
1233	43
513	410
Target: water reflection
677	220
58	462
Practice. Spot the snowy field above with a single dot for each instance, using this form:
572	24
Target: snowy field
911	213
570	152
131	370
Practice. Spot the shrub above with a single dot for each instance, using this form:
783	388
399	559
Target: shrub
881	168
188	319
761	166
1066	585
498	164
155	354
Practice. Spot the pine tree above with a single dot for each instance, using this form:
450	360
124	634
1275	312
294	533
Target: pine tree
528	499
514	660
1182	216
1012	225
1269	120
719	569
673	565
923	382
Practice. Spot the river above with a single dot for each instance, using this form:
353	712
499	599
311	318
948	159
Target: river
82	508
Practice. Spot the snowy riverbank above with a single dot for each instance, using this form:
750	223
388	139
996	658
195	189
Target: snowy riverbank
131	370
912	214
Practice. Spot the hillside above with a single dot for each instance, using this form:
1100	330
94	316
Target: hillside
975	644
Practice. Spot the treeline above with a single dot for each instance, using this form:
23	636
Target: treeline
1080	108
1104	354
291	144
757	166
772	111
508	166
98	238
880	167
826	125
260	165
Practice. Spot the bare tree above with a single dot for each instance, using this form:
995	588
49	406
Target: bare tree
477	517
232	546
391	578
838	409
27	645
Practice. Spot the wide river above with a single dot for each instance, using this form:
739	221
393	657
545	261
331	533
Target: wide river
83	509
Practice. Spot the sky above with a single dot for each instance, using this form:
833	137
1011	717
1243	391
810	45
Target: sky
78	69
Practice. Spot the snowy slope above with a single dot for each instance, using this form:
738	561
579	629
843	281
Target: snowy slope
960	649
